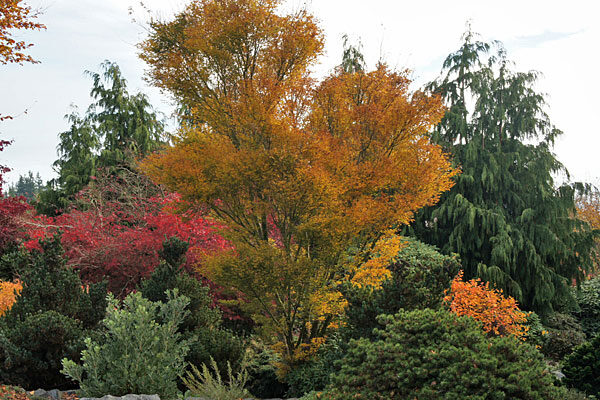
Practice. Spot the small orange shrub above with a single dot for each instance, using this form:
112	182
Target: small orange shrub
500	315
8	295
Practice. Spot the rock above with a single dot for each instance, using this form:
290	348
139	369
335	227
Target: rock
558	374
39	393
54	394
126	397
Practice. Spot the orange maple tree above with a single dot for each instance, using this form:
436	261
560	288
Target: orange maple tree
297	171
500	315
14	15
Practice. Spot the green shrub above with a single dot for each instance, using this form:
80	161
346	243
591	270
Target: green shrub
135	354
420	276
582	367
260	362
536	333
206	385
588	298
564	334
202	325
49	320
315	373
427	354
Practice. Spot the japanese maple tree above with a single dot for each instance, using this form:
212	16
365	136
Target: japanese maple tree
3	169
118	226
15	15
296	171
8	295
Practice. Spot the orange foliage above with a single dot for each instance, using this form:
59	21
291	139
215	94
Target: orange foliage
297	171
588	210
8	295
500	315
14	15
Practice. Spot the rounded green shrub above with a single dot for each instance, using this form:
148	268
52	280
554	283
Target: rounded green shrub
563	334
135	353
315	373
582	367
49	320
420	275
260	361
427	354
201	327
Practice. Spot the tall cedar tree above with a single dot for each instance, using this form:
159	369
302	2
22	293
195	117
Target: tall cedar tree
117	129
295	172
505	218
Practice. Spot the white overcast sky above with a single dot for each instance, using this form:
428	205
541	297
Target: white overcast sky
558	38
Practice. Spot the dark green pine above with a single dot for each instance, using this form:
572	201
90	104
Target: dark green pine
505	217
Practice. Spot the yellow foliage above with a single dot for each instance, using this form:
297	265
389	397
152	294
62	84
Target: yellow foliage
375	270
295	170
8	295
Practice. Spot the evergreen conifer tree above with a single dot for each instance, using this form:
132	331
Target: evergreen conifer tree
117	129
505	217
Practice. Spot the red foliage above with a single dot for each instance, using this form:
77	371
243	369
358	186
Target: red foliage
121	244
14	211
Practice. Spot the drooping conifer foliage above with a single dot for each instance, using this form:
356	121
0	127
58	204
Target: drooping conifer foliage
505	216
116	129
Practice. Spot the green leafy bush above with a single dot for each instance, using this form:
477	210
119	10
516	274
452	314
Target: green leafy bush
201	327
588	298
49	320
582	367
420	276
211	386
564	334
135	354
427	354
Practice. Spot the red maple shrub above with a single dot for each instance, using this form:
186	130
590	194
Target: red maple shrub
14	212
117	226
